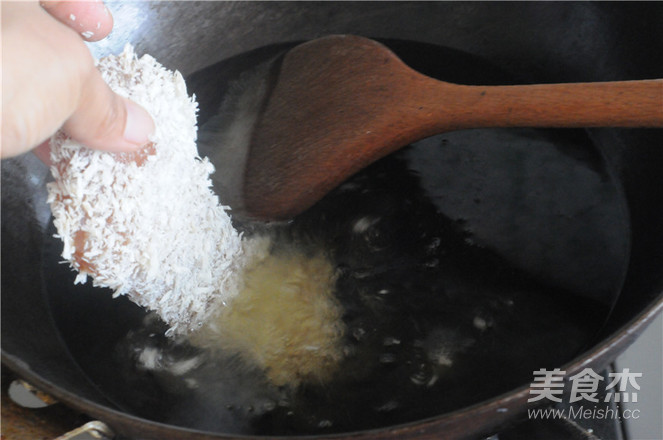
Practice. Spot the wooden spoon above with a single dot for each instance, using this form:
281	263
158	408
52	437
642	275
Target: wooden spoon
339	103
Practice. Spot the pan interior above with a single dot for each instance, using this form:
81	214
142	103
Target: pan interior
465	262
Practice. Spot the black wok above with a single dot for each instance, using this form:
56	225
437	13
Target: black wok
581	250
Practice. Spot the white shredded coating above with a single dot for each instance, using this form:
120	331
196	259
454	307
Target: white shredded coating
154	230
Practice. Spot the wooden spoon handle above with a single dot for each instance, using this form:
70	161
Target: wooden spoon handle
602	104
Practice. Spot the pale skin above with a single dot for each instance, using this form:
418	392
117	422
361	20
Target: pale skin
50	83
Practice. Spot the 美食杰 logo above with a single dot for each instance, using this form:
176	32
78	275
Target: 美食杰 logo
590	395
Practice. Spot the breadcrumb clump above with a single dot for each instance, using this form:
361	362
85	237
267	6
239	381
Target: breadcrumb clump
148	225
286	319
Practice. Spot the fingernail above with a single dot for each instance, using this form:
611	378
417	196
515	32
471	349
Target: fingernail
139	126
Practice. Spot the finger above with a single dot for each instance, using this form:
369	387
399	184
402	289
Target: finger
73	93
36	105
91	19
107	121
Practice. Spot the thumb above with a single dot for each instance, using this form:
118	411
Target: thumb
104	120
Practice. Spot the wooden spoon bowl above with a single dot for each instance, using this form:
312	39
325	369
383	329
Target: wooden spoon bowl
341	102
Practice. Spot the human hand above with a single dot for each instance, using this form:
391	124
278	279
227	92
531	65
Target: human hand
49	81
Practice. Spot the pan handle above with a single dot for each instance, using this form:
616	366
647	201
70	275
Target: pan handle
94	429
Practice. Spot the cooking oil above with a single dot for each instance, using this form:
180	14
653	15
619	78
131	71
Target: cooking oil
434	279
